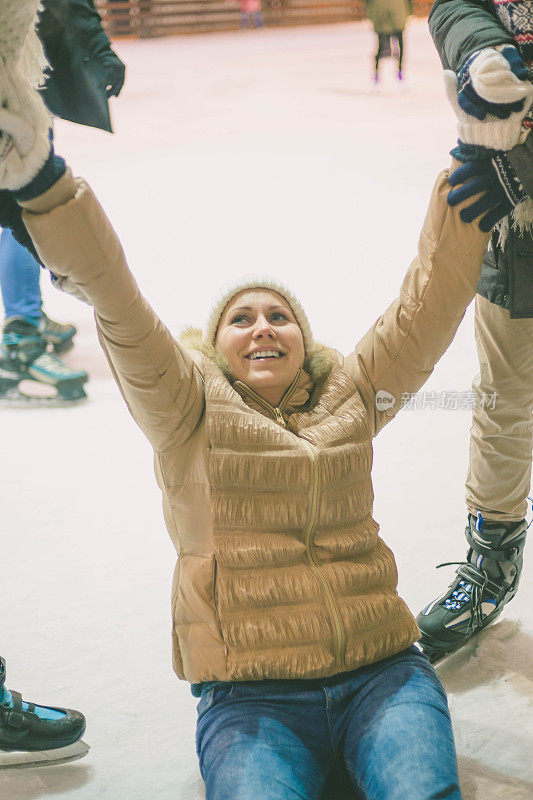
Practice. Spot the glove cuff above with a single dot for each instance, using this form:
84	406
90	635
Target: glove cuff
508	179
492	133
53	168
471	152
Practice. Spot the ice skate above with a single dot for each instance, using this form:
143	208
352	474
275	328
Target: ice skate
32	376
55	333
485	582
32	735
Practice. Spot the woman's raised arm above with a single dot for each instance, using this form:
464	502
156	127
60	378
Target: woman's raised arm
397	355
158	379
73	237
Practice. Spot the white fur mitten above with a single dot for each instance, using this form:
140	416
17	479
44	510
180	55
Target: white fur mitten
24	119
491	132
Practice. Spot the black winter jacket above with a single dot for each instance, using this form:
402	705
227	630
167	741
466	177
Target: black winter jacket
459	28
82	62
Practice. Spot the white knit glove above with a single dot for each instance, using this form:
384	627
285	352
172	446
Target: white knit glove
491	132
498	75
24	119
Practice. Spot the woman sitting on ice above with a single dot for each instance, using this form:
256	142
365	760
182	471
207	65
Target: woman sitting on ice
287	620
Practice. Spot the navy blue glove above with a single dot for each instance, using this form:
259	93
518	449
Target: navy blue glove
52	169
11	217
493	177
475	105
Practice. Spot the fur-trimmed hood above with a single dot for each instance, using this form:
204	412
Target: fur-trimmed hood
317	365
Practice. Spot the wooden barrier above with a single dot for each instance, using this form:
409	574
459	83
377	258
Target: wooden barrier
142	18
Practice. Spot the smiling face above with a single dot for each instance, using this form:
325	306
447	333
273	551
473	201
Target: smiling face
262	342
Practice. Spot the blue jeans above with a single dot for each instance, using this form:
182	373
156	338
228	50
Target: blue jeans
278	740
19	279
254	17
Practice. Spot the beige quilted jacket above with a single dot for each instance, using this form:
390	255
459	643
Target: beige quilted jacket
281	572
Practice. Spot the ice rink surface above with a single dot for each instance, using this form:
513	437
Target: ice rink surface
269	152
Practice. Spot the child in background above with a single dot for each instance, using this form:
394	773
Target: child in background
251	14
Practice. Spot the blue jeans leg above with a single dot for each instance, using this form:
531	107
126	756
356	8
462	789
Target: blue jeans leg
19	279
398	742
277	740
263	742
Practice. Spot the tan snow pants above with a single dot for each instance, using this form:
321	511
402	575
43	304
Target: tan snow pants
499	473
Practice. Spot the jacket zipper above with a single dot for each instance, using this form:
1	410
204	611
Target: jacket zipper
339	643
275	411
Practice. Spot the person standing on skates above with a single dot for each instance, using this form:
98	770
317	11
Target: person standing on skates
389	18
251	15
84	72
490	47
30	734
37	735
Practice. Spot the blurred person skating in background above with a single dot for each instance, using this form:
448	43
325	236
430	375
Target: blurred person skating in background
251	14
389	18
33	735
84	72
286	616
487	50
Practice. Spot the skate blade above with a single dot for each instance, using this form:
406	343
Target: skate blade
32	394
438	659
19	759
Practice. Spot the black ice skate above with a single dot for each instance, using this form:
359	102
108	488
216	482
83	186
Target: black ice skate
24	358
29	738
485	582
55	333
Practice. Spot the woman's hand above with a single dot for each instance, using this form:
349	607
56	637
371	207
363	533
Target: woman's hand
11	217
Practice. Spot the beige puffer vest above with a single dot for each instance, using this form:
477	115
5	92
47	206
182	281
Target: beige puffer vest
302	584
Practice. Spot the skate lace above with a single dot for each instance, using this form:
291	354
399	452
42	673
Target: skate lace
466	592
50	362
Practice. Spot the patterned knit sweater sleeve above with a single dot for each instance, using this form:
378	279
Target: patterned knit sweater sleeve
521	158
461	27
398	354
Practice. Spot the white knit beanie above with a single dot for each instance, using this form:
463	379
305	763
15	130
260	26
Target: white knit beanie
258	282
